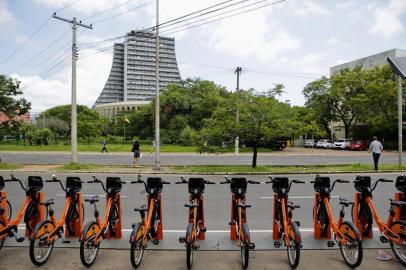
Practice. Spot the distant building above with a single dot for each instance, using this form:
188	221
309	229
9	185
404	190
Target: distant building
25	118
369	62
132	78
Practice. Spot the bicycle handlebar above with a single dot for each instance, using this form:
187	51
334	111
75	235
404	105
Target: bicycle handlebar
226	182
298	182
253	182
210	183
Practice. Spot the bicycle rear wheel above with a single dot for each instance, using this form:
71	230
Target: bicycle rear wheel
399	227
364	218
40	249
3	239
137	248
352	252
293	248
88	248
9	209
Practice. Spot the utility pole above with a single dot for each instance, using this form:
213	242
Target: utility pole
237	114
400	118
74	135
157	137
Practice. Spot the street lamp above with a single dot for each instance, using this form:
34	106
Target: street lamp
398	65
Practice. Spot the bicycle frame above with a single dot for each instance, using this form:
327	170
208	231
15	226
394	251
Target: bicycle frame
103	226
242	219
285	221
147	221
9	225
383	227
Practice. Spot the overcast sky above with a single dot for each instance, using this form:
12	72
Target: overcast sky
293	42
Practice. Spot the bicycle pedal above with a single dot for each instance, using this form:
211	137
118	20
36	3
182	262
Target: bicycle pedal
297	223
277	244
252	245
203	229
155	241
330	244
196	246
20	239
182	240
383	239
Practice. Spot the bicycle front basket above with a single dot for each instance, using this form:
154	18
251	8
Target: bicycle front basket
35	183
280	184
322	184
73	184
401	183
1	182
113	185
196	185
154	185
238	185
362	183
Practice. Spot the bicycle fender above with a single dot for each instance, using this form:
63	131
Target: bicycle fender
247	236
88	231
134	233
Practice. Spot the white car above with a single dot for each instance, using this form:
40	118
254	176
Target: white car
324	143
342	144
310	143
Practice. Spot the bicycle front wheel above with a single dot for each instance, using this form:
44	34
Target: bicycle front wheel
3	239
245	253
293	248
9	210
399	227
40	248
88	248
352	252
189	247
137	248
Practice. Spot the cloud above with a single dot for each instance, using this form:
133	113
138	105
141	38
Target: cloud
92	73
388	20
251	35
332	41
6	16
310	8
313	63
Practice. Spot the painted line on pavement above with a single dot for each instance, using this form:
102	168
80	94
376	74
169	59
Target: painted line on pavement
297	197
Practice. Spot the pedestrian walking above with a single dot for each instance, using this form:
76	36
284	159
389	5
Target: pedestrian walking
104	147
137	152
153	146
376	148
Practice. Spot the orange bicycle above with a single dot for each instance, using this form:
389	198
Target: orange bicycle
238	223
196	216
148	228
48	231
30	212
346	234
95	231
7	210
283	227
364	212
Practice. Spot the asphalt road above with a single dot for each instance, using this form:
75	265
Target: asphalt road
286	157
217	203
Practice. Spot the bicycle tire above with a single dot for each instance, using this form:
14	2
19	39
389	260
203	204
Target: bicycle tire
352	235
245	247
295	236
87	242
136	245
189	247
114	216
364	217
41	227
3	239
71	218
398	227
323	216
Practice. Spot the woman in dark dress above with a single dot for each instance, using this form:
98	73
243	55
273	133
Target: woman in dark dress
137	151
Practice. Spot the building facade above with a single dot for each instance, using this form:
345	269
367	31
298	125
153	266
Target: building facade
133	73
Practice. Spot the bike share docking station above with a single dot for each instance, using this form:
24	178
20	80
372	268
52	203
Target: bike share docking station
117	233
360	223
36	181
72	182
316	225
400	212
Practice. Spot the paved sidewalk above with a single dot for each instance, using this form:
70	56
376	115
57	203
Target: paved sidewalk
67	258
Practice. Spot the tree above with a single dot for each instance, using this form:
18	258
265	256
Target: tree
10	106
277	90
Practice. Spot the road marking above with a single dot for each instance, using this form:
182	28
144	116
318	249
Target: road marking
297	197
89	195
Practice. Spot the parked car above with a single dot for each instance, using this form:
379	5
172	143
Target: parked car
342	144
324	143
359	145
310	143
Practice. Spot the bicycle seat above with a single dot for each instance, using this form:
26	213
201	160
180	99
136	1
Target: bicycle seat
93	199
49	202
397	203
345	202
244	205
291	205
191	205
141	209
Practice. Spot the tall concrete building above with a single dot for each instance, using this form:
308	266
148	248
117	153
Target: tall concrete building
132	79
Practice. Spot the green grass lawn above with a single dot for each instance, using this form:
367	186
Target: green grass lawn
10	166
96	147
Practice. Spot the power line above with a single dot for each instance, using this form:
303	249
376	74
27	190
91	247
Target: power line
121	13
68	5
25	42
107	10
223	18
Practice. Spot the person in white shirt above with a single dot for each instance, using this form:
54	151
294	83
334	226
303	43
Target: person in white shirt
376	148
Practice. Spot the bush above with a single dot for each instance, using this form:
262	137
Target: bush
188	137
